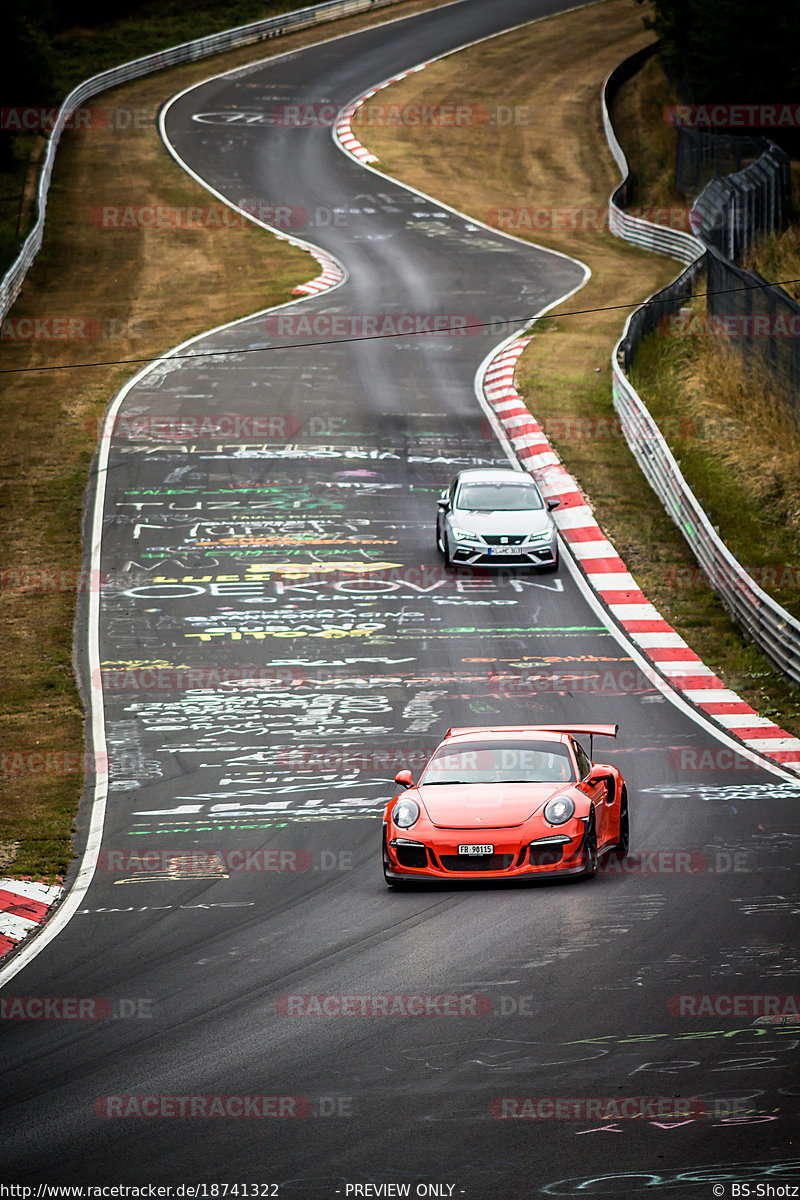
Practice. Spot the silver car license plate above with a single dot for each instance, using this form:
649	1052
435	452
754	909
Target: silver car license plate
505	550
476	849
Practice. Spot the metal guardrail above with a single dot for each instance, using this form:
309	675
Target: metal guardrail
771	627
215	43
659	238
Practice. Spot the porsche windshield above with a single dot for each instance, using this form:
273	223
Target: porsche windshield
499	497
500	762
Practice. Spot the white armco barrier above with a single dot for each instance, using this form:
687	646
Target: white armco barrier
771	627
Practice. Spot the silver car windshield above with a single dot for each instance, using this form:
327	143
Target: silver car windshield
500	762
499	497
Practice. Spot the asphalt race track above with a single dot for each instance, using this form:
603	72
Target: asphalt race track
277	637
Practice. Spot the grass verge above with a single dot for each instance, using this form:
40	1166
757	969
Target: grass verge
132	293
557	163
737	444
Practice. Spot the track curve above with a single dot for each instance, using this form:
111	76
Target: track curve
276	638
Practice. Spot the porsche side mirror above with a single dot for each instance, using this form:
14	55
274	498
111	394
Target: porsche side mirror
444	503
404	778
601	773
551	504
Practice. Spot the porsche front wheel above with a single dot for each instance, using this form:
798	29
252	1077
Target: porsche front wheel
395	884
590	850
623	845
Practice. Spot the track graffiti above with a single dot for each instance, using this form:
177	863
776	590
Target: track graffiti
631	1182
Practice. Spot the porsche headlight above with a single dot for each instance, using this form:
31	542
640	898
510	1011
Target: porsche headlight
405	813
558	810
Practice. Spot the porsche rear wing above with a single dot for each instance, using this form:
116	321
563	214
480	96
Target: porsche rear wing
592	730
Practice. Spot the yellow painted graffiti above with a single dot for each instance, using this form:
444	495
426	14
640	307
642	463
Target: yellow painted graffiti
295	570
330	631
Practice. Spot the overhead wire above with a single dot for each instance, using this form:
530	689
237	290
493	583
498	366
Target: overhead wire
523	322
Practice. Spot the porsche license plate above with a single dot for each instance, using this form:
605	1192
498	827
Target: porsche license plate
476	849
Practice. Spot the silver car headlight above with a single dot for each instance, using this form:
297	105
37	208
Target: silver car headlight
405	813
464	535
558	810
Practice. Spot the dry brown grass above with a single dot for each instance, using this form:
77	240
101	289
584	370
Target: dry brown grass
760	442
778	259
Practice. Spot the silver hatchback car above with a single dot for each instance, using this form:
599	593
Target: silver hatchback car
495	516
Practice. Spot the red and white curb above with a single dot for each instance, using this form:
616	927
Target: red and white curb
345	136
342	130
332	274
608	577
23	907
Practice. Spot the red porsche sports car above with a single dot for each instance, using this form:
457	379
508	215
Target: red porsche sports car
504	803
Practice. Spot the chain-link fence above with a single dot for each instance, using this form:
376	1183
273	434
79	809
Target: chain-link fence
733	212
763	322
729	216
702	156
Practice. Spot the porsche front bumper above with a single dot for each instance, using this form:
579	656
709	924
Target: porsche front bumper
546	856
